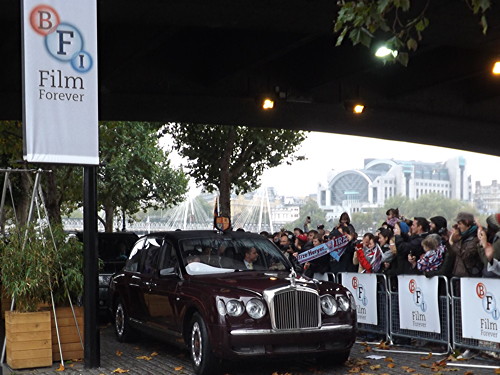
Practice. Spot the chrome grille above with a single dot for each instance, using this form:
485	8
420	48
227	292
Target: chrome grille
294	307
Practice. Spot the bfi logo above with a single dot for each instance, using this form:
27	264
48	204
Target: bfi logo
488	301
63	41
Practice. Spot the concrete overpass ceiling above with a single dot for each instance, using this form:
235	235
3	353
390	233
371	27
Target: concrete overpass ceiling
208	62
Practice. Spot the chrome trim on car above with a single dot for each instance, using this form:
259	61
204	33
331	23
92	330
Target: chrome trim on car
252	332
293	307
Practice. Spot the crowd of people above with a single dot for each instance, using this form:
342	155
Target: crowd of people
401	246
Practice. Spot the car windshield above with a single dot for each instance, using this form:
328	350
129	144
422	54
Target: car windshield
220	255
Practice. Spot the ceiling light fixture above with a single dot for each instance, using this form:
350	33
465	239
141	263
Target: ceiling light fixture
496	68
267	103
358	109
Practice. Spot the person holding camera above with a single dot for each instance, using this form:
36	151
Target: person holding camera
464	243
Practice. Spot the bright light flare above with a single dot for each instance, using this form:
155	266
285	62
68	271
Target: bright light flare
384	52
496	68
358	108
268	104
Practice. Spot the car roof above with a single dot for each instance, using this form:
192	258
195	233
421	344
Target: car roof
185	234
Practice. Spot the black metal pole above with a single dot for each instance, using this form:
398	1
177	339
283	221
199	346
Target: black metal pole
92	345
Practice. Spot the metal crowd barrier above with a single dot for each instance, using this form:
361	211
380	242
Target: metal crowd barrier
382	328
443	338
458	340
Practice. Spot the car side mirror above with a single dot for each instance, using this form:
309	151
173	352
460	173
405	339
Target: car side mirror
168	271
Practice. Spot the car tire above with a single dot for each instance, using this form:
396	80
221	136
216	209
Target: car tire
200	350
124	332
336	358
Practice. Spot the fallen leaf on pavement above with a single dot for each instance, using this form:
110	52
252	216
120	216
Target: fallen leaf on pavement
154	354
425	365
428	356
468	373
497	371
391	365
383	345
389	359
119	353
179	368
120	370
61	367
144	357
353	370
375	367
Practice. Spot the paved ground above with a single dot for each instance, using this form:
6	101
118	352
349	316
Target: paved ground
148	356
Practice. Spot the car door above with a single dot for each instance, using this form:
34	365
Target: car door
133	290
162	291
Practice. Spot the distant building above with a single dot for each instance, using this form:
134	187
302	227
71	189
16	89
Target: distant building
357	189
487	197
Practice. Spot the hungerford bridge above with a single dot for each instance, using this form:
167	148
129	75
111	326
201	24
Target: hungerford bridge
255	216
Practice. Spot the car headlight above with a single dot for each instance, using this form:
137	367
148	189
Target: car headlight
234	307
221	307
328	304
256	308
343	302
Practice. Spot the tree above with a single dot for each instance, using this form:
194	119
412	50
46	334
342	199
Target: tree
310	208
135	172
363	222
227	158
402	20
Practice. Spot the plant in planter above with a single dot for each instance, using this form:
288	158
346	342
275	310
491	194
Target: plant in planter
27	263
68	286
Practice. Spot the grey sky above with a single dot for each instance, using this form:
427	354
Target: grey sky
326	152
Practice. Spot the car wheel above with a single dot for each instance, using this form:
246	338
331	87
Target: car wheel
336	358
199	347
123	330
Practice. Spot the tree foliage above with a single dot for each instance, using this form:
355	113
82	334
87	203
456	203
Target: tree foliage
401	22
136	173
225	158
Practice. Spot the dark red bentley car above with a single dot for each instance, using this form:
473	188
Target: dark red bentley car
229	295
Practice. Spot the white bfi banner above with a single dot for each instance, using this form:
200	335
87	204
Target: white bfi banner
363	287
60	81
419	303
480	312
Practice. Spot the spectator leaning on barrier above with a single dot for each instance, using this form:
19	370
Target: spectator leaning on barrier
434	253
464	243
369	257
412	246
489	246
317	268
388	246
345	262
438	225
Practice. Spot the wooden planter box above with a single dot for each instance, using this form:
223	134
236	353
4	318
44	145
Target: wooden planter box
70	340
29	339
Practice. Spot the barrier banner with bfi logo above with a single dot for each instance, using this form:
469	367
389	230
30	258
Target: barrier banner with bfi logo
60	81
480	310
363	287
419	303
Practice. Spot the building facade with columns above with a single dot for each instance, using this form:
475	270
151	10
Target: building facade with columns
379	179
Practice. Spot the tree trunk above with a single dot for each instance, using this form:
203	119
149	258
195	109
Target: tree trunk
23	204
52	199
225	175
225	194
109	213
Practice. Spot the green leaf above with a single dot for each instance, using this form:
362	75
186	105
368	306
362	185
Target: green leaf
412	44
484	24
403	58
405	5
422	24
